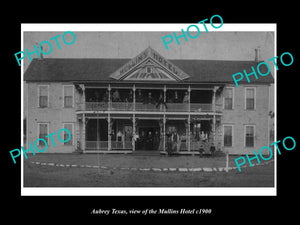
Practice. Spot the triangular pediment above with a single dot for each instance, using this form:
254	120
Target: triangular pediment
149	65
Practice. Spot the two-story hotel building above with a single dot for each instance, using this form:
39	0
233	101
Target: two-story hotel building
129	105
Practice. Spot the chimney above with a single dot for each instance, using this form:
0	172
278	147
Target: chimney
257	54
41	54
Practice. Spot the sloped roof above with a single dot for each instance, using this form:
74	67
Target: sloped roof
98	70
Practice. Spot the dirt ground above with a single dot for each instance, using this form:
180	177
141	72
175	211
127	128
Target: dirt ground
37	175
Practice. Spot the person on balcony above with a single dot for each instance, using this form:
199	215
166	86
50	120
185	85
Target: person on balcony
139	97
176	98
105	96
128	100
149	99
116	96
161	102
186	98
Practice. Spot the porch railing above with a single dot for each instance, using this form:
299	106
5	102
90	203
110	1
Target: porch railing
129	106
103	145
127	145
96	145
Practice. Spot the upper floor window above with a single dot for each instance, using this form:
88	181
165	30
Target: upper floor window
250	98
43	92
228	98
68	96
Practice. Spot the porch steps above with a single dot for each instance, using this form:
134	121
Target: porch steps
146	153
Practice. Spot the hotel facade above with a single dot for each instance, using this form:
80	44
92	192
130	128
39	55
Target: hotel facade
135	105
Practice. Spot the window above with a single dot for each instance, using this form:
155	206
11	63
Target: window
43	132
228	98
43	96
68	96
249	136
228	135
68	126
250	98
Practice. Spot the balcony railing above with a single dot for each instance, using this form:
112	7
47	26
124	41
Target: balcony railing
140	107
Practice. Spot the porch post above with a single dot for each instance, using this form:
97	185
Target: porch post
83	132
214	100
77	132
83	96
189	133
133	133
189	91
133	90
109	97
214	116
165	96
108	133
214	129
164	132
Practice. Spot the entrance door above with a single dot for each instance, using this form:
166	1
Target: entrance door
149	135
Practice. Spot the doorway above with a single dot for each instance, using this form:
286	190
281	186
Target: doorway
149	135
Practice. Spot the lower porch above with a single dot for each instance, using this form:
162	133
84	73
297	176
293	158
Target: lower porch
185	135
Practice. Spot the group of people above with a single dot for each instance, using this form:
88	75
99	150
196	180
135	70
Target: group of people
145	98
173	142
149	140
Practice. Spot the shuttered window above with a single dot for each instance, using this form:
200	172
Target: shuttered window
227	136
43	92
249	136
68	96
250	98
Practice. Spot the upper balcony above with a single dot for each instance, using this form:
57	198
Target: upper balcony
145	100
140	107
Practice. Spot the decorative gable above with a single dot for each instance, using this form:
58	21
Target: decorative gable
149	65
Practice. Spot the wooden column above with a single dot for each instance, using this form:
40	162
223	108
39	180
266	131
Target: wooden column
164	132
165	96
214	116
189	133
214	99
133	102
77	130
189	91
83	132
109	97
108	133
83	95
133	132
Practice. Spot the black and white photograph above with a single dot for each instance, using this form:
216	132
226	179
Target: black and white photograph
122	109
158	113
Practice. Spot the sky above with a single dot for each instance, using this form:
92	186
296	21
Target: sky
210	46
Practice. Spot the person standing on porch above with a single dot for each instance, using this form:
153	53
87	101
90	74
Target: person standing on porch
175	140
169	143
120	138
